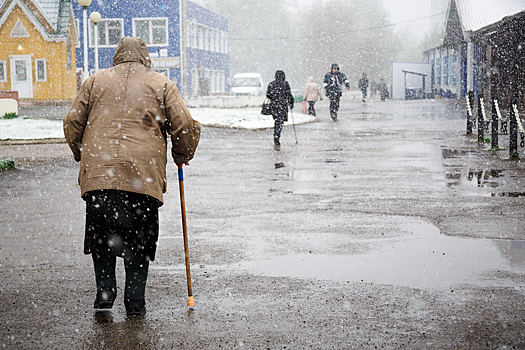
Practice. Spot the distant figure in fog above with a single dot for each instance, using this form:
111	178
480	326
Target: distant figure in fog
311	92
117	129
383	89
333	85
363	86
280	95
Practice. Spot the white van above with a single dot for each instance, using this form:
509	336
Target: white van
246	84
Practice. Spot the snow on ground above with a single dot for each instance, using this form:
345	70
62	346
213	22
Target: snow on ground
239	118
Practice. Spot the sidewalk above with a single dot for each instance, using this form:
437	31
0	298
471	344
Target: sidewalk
388	229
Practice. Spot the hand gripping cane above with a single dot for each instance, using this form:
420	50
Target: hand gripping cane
191	302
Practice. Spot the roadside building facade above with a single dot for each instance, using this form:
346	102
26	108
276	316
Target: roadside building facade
483	50
37	56
204	37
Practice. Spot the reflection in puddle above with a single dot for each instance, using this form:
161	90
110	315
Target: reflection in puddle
456	153
426	260
479	178
508	194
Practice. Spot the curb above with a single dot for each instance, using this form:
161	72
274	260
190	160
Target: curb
31	142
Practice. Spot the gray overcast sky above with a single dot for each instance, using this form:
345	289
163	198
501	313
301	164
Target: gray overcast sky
406	10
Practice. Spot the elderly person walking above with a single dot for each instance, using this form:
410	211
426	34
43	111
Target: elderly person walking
311	92
280	95
117	129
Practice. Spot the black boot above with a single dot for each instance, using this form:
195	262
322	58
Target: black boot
105	300
135	307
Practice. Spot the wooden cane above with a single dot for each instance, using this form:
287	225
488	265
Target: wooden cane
191	302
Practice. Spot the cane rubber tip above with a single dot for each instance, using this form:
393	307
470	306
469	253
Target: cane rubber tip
191	302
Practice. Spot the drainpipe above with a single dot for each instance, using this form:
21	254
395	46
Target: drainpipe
183	44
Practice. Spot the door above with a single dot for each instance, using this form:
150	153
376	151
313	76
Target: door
22	76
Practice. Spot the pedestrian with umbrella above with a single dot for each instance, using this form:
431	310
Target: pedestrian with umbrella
117	129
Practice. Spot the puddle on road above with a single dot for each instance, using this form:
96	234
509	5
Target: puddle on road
425	259
478	178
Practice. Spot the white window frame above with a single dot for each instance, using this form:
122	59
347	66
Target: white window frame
36	70
105	20
195	43
188	34
206	39
223	42
212	39
150	28
200	37
217	41
4	70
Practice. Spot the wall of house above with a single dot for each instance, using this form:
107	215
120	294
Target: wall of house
61	80
127	12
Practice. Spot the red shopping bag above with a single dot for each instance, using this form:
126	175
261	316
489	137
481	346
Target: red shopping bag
304	107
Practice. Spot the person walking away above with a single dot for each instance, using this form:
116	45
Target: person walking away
333	85
363	86
311	92
117	129
280	95
383	89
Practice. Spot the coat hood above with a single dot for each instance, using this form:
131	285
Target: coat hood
131	50
279	75
310	79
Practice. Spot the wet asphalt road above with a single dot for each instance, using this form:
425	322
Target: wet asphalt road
388	229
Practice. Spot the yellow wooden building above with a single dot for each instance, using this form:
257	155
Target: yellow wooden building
37	49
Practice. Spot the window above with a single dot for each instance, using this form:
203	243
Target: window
110	31
69	53
438	71
200	37
188	34
454	69
206	38
212	39
217	41
3	71
194	43
77	29
41	70
154	31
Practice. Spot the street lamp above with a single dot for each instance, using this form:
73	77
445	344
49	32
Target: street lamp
95	17
85	4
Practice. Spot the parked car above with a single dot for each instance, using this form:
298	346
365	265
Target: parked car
247	84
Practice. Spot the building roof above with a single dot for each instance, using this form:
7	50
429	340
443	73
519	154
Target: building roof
50	16
477	14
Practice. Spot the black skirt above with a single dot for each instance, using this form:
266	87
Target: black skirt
121	216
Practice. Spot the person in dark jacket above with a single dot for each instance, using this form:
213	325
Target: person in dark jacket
363	86
383	89
333	85
117	129
280	95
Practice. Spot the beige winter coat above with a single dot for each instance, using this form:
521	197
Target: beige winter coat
117	125
312	90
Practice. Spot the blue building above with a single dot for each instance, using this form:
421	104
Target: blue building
205	59
482	50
